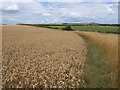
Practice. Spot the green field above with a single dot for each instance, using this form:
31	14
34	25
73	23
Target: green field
103	29
59	27
100	29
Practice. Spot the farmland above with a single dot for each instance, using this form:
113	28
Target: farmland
66	44
102	29
89	28
107	55
38	57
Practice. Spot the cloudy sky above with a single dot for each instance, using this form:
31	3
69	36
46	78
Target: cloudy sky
59	11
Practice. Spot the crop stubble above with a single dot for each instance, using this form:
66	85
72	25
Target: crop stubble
41	57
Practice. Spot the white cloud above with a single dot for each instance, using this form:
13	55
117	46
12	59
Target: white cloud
109	10
75	14
16	1
60	0
9	6
46	14
77	0
12	7
36	12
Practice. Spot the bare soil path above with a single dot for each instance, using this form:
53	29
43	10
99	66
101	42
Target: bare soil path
40	57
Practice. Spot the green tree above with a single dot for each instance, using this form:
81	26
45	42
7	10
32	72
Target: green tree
68	27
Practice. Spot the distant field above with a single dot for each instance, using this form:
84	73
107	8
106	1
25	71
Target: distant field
100	29
103	29
59	27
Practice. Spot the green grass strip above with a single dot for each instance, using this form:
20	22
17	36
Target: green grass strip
96	73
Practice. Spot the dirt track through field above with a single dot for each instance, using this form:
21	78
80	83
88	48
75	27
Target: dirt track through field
41	57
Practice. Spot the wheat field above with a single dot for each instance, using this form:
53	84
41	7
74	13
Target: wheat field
40	58
35	57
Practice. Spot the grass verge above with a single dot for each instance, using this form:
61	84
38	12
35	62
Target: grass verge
96	71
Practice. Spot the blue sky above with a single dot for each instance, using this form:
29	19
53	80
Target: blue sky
51	11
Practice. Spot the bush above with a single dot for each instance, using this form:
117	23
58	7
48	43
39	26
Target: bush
68	28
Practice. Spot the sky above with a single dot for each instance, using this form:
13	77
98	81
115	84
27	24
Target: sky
59	11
